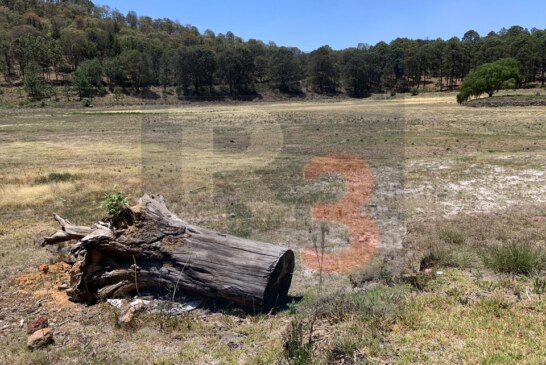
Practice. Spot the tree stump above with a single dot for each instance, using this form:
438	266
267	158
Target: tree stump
155	249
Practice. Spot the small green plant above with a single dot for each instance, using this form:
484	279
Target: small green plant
292	307
414	91
86	102
115	203
297	350
376	271
539	286
343	346
515	258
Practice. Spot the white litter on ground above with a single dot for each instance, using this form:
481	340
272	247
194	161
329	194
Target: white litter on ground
156	306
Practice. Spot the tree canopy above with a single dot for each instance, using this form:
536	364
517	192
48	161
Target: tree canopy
134	52
489	78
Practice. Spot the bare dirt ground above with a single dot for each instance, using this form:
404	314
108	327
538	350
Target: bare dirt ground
509	100
447	179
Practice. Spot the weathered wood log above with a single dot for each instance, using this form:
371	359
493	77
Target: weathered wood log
158	250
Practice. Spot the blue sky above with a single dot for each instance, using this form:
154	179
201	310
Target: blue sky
342	23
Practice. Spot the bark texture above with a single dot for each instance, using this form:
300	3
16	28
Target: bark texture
155	249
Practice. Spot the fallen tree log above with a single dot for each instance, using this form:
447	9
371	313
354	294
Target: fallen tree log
156	250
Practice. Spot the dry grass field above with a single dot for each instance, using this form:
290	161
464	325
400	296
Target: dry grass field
459	198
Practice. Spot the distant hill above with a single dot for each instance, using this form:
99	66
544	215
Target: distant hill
95	50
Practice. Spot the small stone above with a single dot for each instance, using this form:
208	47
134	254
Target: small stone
35	325
40	338
62	287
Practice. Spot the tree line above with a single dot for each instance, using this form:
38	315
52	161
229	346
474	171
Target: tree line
93	49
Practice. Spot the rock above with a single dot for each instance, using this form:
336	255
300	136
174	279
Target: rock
128	311
40	338
37	324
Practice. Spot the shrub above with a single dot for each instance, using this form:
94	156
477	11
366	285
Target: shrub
450	256
55	177
515	258
393	93
489	78
86	102
297	349
343	347
115	203
376	271
539	286
414	91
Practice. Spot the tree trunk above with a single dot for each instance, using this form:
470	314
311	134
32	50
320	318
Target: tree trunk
156	252
441	81
543	69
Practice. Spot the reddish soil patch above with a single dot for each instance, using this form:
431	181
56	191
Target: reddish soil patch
45	283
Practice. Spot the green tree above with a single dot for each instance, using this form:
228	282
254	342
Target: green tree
489	78
196	67
323	70
522	47
470	43
136	67
87	79
454	60
539	37
355	72
435	50
34	81
114	73
236	67
492	48
396	65
285	69
76	46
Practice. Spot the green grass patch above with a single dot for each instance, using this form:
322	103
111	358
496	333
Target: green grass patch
515	258
379	303
452	237
55	177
